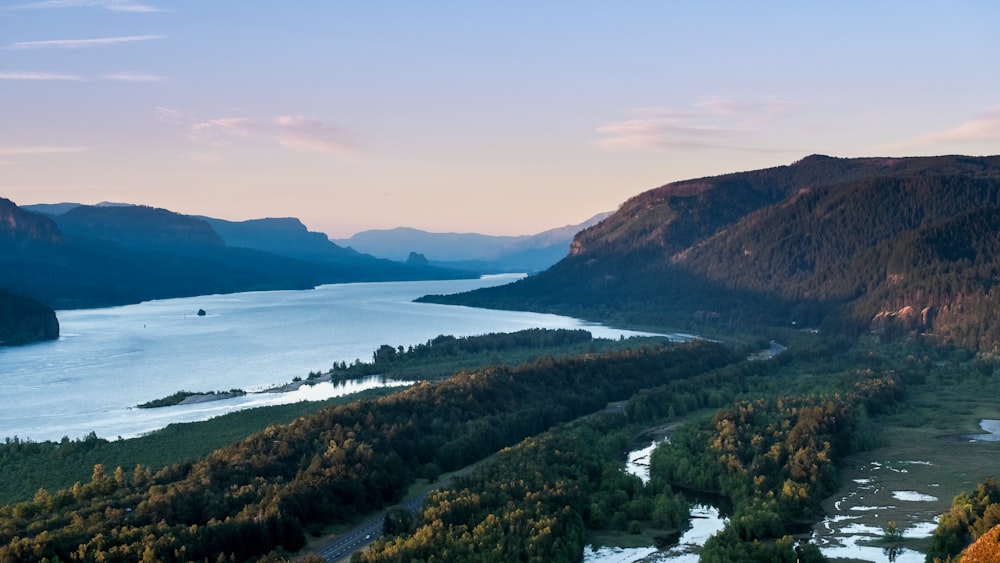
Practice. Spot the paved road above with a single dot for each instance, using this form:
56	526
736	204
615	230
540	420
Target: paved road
362	535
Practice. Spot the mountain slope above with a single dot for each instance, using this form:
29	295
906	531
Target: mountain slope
138	226
24	320
108	255
20	227
484	253
288	237
282	236
845	244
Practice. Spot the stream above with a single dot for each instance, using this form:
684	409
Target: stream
841	534
706	520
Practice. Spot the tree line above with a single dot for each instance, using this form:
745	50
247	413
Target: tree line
973	515
774	458
536	501
263	494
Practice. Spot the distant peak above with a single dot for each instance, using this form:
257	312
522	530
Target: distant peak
114	204
815	158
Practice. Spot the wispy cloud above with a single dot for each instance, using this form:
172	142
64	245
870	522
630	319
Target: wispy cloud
39	150
134	77
658	128
82	43
712	122
113	5
984	127
294	132
40	76
218	131
310	134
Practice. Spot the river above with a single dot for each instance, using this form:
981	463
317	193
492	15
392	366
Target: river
109	360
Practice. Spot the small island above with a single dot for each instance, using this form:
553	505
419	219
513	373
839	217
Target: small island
190	398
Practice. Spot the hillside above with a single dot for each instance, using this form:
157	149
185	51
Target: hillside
138	226
92	256
24	320
19	228
897	246
472	251
285	236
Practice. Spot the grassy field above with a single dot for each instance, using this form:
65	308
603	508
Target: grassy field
920	453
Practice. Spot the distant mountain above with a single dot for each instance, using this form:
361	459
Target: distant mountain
139	226
472	251
114	254
283	236
53	209
903	246
50	208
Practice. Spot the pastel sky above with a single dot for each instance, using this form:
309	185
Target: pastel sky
495	117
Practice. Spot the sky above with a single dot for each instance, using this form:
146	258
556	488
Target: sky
502	118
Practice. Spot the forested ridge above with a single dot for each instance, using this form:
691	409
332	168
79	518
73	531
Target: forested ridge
772	453
971	528
845	245
535	501
262	493
24	320
94	256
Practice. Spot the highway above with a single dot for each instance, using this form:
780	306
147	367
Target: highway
362	535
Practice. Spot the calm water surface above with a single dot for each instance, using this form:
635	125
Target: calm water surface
109	360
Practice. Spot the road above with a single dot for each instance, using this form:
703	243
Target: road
362	535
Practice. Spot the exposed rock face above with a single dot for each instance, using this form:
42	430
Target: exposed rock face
881	322
24	320
49	326
927	315
416	258
906	318
20	226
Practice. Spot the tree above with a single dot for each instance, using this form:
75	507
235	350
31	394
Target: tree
398	520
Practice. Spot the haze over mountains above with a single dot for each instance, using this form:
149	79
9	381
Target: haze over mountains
472	251
895	246
905	246
86	256
69	255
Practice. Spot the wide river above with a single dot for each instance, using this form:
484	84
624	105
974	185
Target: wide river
109	360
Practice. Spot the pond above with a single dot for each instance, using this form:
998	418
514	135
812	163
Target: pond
991	429
862	514
706	520
857	518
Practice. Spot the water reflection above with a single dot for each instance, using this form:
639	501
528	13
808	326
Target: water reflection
706	519
110	359
991	429
857	517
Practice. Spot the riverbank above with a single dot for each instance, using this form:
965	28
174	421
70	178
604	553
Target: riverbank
195	398
931	451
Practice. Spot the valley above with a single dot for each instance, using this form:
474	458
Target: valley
876	276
